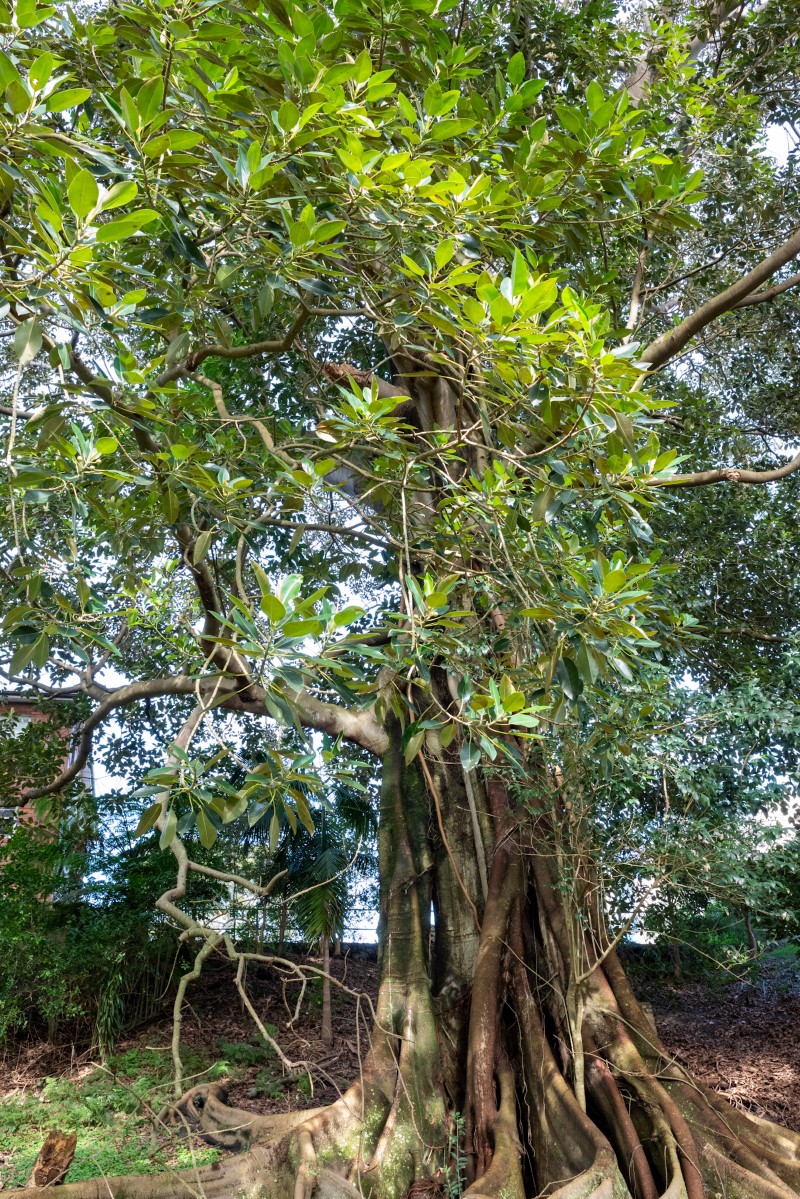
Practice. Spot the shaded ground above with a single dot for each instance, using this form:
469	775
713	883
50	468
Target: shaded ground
114	1108
739	1036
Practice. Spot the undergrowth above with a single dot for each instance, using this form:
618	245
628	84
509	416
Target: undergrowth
108	1109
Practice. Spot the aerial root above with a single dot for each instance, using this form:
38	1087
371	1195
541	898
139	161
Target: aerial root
504	1176
609	1100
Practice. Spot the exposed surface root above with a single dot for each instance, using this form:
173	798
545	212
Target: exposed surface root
246	1175
504	1176
572	1158
205	1110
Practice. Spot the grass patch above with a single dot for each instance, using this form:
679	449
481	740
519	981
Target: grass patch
107	1110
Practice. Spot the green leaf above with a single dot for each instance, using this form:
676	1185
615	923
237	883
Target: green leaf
169	830
406	108
70	98
594	96
41	70
148	819
17	97
470	756
444	252
28	340
447	734
270	604
205	829
325	230
202	545
127	225
539	613
171	506
8	72
452	127
22	657
519	274
622	667
614	581
149	98
304	812
348	615
301	628
120	193
83	193
571	118
516	69
413	746
363	67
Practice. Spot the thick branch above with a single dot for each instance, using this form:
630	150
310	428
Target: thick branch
728	474
764	297
674	340
745	631
358	726
644	72
18	414
180	684
253	350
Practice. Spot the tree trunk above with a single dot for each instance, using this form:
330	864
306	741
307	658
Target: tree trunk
327	1026
521	1019
752	942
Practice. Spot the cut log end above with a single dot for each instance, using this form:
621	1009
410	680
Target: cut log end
54	1160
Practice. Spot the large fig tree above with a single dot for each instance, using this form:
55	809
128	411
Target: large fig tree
344	344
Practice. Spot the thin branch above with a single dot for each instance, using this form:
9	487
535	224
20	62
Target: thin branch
764	297
19	414
316	527
745	631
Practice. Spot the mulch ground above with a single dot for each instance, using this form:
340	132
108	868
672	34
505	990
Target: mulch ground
743	1039
215	1020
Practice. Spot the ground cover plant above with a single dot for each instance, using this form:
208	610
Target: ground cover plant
111	1110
